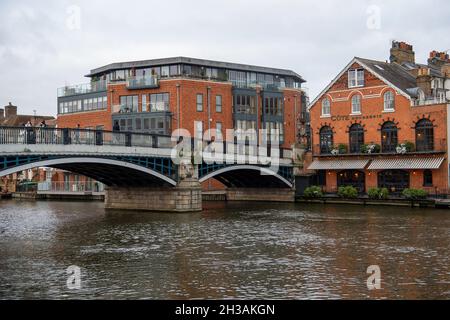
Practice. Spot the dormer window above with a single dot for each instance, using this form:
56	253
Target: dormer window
355	78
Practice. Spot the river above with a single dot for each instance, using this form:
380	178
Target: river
230	250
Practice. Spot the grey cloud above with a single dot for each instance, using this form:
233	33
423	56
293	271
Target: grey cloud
38	53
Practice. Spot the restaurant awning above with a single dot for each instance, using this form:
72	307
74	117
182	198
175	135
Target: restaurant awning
338	164
406	163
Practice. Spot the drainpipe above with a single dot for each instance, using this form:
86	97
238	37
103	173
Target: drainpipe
208	97
178	106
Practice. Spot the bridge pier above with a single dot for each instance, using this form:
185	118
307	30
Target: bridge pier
261	194
185	197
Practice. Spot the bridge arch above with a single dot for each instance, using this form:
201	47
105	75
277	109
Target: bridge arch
248	176
111	172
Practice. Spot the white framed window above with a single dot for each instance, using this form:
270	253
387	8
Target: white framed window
356	78
198	126
326	107
219	130
356	104
389	101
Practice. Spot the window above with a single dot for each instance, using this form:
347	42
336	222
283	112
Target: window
165	71
129	103
394	180
218	103
198	126
245	104
273	106
389	138
424	135
144	103
159	102
427	178
138	123
219	130
356	104
389	101
356	134
326	139
174	70
199	102
326	108
356	78
352	178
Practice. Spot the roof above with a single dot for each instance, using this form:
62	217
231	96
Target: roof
193	61
338	164
406	163
21	119
392	74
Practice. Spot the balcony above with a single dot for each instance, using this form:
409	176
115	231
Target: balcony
142	82
373	149
94	86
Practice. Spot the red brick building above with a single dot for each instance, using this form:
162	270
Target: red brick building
384	124
159	96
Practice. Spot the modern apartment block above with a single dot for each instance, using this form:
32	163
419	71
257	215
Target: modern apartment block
384	124
161	95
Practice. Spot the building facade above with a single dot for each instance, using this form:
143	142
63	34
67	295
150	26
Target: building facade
159	96
384	124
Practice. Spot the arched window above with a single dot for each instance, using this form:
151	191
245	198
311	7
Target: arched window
389	101
326	107
326	139
427	178
389	138
356	135
356	103
424	135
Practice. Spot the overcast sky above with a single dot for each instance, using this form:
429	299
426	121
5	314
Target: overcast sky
48	44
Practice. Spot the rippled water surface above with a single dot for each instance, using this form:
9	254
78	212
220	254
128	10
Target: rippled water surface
239	250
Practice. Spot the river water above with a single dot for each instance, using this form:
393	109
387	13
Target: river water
234	250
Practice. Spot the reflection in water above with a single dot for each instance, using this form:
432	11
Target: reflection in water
236	250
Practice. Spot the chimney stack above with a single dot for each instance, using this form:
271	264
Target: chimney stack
10	111
402	52
423	79
2	114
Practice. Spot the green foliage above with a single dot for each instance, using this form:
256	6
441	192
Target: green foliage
349	192
378	193
313	192
410	147
342	148
414	194
370	148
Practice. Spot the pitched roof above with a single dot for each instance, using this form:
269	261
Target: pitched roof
21	119
392	74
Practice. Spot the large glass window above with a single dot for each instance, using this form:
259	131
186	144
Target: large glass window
199	102
389	138
326	107
326	139
389	101
352	178
356	134
245	104
424	135
356	104
129	103
159	102
394	180
273	106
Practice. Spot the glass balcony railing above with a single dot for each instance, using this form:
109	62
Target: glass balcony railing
95	86
140	82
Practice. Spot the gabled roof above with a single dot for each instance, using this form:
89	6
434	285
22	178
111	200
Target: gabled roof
392	74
